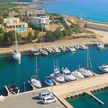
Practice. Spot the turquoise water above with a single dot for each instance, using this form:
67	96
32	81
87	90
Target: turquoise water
19	30
95	10
85	101
11	72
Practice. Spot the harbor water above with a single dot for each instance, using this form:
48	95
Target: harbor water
12	72
94	10
85	101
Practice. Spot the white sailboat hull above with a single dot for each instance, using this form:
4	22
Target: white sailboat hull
16	56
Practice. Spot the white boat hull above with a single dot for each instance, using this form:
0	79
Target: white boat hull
36	83
16	56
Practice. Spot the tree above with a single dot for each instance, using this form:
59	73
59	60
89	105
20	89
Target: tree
9	37
58	34
49	37
36	34
1	34
65	33
30	36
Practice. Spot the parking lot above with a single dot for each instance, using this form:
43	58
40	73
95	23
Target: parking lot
29	100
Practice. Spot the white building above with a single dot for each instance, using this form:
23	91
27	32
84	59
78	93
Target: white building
41	20
11	22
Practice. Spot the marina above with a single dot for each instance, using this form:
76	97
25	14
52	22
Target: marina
64	60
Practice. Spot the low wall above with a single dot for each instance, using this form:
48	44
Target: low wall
97	26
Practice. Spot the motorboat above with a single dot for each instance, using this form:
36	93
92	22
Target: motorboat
72	49
100	46
49	50
86	72
78	75
35	52
62	49
49	81
67	74
77	46
57	50
43	52
35	82
104	68
13	88
83	47
57	75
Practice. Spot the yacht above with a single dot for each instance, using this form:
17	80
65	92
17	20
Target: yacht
72	49
83	47
57	50
78	75
35	52
62	49
100	46
104	68
77	46
85	72
13	88
57	75
49	81
35	82
67	75
43	52
49	50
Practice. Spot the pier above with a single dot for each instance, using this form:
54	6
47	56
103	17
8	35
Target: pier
8	92
62	91
97	99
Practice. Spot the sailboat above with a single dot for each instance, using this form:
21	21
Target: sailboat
67	74
34	80
85	71
57	75
16	55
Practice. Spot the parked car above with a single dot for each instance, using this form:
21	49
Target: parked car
49	99
43	94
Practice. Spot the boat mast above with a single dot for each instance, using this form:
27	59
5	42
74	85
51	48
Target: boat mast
16	42
36	68
89	63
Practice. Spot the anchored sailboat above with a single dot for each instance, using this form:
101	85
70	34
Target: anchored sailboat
85	71
34	80
16	55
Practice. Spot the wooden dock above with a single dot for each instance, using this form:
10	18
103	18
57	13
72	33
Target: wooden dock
97	99
9	93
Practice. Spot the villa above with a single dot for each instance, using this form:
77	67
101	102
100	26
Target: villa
11	22
41	20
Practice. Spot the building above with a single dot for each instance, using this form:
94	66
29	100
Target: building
11	22
41	20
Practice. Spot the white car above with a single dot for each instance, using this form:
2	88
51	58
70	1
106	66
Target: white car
49	99
43	94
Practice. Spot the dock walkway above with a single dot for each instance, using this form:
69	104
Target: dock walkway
97	99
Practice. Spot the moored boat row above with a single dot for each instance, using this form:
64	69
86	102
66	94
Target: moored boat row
46	51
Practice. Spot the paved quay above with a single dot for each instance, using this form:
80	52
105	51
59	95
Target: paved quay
28	100
61	91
